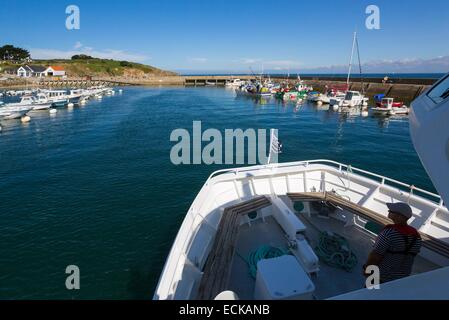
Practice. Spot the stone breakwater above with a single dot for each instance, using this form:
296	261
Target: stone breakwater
402	89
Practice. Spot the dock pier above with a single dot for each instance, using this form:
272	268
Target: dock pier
216	80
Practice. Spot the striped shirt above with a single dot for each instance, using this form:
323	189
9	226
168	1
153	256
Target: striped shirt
398	250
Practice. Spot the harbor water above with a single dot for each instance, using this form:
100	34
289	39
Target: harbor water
94	186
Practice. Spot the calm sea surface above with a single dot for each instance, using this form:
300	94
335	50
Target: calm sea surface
94	186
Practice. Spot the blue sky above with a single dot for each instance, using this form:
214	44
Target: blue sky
194	35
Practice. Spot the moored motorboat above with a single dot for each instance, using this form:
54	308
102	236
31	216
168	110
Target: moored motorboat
38	102
350	100
387	106
234	83
57	98
10	113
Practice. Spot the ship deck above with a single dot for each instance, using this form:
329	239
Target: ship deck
329	281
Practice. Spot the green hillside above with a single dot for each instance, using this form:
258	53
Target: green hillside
97	67
104	67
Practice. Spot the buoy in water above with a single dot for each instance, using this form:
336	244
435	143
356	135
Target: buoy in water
82	102
53	111
319	103
335	107
25	119
70	105
365	113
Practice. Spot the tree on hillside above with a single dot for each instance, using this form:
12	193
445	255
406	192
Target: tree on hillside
81	57
125	64
9	52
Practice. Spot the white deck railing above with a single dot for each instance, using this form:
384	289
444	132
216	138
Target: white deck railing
341	167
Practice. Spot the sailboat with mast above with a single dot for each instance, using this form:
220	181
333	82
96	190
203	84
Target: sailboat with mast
351	98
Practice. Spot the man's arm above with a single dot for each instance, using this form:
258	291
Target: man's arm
374	259
380	248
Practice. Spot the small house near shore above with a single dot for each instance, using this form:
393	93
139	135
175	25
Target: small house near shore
28	71
55	71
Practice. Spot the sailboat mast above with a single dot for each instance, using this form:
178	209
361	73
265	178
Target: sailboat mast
352	56
261	75
360	66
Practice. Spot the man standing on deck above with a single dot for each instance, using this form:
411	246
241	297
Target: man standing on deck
396	245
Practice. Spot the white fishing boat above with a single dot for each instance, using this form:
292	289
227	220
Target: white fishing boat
10	113
353	99
234	83
333	99
75	95
387	107
58	98
261	232
41	102
38	102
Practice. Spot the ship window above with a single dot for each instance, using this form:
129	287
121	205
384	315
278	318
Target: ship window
440	92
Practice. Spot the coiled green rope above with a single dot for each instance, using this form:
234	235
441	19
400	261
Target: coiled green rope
263	252
334	250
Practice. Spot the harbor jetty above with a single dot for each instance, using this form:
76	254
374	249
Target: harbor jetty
404	89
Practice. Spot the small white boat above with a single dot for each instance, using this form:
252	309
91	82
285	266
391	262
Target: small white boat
41	102
388	107
58	98
334	101
9	113
38	102
234	83
351	99
75	95
332	98
313	96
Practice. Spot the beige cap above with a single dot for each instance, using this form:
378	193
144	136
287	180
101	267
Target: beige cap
401	208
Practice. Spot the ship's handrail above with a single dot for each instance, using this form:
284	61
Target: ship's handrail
340	166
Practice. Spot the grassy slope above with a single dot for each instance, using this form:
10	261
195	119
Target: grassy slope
104	67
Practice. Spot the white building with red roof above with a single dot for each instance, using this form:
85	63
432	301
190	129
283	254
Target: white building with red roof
55	71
